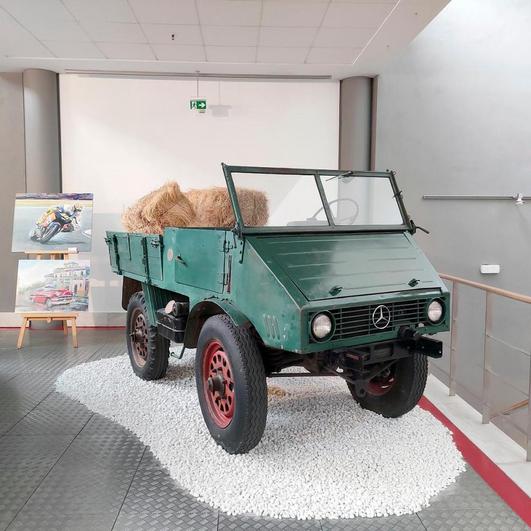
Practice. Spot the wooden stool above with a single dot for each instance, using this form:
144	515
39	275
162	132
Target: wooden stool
49	317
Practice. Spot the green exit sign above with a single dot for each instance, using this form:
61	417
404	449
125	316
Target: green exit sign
198	105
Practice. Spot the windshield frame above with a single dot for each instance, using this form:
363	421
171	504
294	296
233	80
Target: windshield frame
241	228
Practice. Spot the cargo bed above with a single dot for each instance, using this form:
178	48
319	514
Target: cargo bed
124	250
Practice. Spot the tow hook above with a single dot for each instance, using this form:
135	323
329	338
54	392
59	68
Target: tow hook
409	333
415	341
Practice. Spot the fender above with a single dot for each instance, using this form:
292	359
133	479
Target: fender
205	309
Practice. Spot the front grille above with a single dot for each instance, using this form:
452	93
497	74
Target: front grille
357	321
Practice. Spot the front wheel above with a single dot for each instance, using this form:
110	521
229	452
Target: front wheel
148	351
231	384
52	229
396	390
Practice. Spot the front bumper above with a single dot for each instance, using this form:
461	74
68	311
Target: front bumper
61	300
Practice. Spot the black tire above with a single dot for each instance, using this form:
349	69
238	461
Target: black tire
52	229
410	376
247	418
148	351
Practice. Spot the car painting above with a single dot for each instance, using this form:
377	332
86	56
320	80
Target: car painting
52	285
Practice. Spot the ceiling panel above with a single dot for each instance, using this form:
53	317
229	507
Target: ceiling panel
286	36
332	56
103	10
353	15
74	49
314	37
114	32
296	14
281	55
48	30
173	34
392	2
173	52
35	11
18	42
229	12
130	51
165	11
125	50
230	36
231	54
334	37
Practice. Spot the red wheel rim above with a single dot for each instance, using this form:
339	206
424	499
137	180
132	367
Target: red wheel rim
218	384
383	383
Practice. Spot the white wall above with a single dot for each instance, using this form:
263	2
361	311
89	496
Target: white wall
454	117
122	137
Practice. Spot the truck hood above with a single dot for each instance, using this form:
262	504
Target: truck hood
328	266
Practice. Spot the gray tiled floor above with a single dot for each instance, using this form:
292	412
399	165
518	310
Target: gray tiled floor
63	467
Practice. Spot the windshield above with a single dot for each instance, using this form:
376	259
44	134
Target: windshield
311	199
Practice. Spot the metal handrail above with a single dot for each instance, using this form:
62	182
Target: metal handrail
491	289
487	372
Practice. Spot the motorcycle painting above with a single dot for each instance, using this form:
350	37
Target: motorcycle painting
44	222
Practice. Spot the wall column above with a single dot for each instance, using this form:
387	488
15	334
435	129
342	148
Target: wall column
29	156
41	122
355	111
12	177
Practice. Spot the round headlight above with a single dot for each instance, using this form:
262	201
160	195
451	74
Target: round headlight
435	311
321	325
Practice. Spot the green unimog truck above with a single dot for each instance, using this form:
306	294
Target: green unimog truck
333	283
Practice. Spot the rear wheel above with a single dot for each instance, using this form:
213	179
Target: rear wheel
148	351
231	384
396	390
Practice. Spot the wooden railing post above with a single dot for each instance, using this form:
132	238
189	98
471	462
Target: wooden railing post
485	395
529	415
453	341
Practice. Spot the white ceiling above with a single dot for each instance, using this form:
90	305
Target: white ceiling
295	37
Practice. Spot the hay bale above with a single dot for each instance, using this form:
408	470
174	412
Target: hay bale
165	207
275	391
214	209
169	207
253	206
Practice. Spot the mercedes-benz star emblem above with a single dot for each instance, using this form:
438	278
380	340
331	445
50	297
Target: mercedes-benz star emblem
381	317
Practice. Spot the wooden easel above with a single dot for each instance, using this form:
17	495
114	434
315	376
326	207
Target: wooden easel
53	255
49	317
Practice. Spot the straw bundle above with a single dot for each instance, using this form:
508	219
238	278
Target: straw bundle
168	206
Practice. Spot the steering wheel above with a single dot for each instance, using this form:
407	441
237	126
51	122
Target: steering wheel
347	220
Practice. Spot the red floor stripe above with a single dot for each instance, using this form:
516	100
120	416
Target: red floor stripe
493	475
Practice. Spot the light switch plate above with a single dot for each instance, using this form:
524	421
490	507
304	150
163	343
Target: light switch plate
490	269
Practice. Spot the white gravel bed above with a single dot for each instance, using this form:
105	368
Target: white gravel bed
321	456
